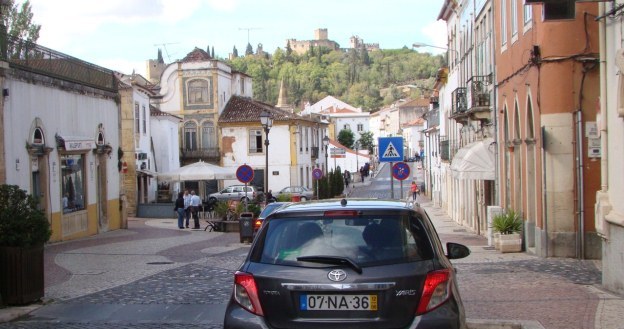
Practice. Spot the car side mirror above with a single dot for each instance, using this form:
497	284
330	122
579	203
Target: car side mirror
456	250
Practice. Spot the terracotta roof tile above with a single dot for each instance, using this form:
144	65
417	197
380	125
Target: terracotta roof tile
197	55
243	109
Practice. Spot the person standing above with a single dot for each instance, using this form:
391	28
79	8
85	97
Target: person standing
187	207
414	190
195	203
179	209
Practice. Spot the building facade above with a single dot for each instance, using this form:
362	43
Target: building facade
60	138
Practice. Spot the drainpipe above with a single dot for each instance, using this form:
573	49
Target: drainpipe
604	168
580	237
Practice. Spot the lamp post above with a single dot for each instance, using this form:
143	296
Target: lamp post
326	144
421	45
357	155
266	119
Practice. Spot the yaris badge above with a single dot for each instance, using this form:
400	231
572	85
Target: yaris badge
337	275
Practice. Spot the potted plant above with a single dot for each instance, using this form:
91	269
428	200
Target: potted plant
24	229
509	226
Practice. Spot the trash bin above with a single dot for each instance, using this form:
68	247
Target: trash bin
295	198
245	223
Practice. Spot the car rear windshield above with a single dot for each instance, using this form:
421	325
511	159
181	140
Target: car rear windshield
366	240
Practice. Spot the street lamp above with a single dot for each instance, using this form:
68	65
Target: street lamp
266	119
326	144
421	45
357	155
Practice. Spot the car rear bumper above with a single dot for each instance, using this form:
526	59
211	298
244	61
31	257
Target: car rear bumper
446	316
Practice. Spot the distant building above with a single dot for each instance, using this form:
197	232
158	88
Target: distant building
355	42
300	47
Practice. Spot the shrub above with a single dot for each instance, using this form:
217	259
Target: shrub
22	223
507	223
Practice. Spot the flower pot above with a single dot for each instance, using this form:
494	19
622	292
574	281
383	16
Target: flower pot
510	243
21	275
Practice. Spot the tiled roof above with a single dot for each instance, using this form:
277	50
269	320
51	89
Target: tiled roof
197	55
243	109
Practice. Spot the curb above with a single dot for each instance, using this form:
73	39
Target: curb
11	313
502	324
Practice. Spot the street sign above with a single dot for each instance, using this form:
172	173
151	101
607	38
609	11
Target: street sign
244	174
401	171
390	149
317	173
336	152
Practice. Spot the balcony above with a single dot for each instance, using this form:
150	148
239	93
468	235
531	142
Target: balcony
194	155
479	106
459	105
315	152
433	117
31	57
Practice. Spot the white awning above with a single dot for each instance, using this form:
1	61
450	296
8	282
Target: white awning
475	161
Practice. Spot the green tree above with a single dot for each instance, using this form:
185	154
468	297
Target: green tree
346	138
366	141
249	50
234	52
18	21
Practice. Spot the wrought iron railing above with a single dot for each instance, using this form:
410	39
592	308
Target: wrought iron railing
445	154
208	153
459	104
31	57
478	91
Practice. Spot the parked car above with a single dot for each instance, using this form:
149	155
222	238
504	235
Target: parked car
300	191
235	192
268	209
356	263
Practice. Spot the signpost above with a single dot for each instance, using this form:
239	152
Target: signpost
390	150
317	174
401	171
245	174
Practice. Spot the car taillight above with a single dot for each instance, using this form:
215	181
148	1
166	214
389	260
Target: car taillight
436	290
257	224
246	292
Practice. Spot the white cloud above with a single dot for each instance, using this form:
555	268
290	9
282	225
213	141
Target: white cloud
223	5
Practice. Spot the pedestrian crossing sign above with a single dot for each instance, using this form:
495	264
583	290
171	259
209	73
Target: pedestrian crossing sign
390	149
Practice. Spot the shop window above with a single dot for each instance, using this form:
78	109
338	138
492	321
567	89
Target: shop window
73	183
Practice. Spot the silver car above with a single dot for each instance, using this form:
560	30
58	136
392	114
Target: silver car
235	192
298	191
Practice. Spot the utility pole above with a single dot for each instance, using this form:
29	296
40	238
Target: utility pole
164	45
248	29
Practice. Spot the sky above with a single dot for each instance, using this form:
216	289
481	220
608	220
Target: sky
122	35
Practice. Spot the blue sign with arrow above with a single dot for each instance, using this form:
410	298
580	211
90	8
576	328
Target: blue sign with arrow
390	149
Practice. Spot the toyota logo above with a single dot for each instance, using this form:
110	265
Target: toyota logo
337	275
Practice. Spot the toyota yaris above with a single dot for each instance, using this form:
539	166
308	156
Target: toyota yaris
347	264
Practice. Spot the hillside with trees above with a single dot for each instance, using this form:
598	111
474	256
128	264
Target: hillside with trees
355	76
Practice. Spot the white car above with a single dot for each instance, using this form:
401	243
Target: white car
300	191
235	192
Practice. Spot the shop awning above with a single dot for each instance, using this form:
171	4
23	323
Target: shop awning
475	161
145	172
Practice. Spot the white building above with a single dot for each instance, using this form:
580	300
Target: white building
341	115
60	139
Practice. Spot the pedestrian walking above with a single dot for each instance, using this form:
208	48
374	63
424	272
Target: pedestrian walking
195	204
415	191
179	209
347	177
362	173
187	207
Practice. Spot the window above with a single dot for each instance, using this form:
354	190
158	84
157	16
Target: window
255	141
559	9
347	127
514	17
528	14
198	92
208	140
137	118
190	136
72	180
360	127
503	28
144	120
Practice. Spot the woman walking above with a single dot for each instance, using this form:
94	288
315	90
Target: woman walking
414	190
179	208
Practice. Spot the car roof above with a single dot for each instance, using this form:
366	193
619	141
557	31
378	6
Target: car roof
346	204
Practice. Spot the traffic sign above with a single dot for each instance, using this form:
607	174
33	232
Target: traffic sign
337	152
400	171
317	173
244	174
390	149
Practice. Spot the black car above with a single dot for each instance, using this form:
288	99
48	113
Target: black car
268	209
347	264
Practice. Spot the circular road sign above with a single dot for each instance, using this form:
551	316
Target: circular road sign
244	174
317	173
400	170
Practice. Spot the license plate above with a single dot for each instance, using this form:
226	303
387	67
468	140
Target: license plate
338	302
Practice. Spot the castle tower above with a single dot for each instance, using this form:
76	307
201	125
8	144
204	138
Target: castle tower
321	34
155	68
